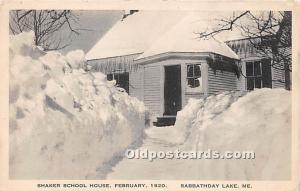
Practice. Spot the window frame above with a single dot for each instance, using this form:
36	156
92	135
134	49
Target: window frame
253	76
194	77
117	79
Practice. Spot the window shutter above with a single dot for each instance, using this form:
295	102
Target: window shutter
266	73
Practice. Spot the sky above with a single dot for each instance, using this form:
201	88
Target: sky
96	24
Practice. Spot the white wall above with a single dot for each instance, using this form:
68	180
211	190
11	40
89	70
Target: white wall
136	83
152	88
220	80
154	83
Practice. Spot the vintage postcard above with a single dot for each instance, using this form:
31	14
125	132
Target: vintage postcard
132	95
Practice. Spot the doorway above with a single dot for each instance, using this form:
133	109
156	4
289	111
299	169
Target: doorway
172	90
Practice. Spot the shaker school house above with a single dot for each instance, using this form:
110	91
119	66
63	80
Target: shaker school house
156	57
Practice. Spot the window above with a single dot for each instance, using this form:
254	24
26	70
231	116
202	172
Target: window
122	80
194	77
254	76
110	77
258	74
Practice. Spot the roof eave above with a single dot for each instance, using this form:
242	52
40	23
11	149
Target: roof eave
177	55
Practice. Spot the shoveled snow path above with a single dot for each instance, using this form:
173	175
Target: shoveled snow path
157	139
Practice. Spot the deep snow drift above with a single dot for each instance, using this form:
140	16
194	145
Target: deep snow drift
259	121
65	123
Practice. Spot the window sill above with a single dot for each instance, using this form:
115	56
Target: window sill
193	93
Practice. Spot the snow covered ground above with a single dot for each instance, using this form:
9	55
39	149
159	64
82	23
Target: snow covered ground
68	123
65	122
259	121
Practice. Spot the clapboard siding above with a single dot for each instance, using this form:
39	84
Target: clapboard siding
136	84
152	94
220	81
241	83
194	96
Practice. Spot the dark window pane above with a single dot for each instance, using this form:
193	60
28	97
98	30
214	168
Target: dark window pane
257	82
196	83
250	84
266	73
249	69
257	69
122	80
117	79
197	70
190	72
190	82
109	77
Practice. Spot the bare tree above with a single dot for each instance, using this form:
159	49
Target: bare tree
49	26
269	32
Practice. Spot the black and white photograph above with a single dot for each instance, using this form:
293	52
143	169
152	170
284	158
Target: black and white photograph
144	94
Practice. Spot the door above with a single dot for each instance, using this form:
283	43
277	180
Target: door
172	89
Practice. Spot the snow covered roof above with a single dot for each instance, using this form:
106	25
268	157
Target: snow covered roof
156	32
184	37
134	34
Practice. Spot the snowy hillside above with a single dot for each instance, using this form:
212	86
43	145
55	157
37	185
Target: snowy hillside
259	121
65	122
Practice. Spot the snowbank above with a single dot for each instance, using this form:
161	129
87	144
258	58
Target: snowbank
259	121
65	123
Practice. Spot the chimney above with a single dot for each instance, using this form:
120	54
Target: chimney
127	13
